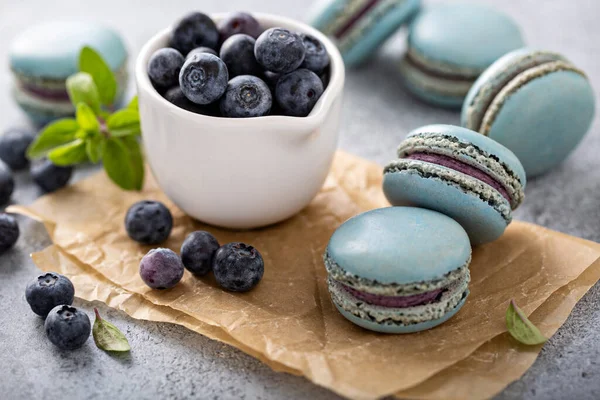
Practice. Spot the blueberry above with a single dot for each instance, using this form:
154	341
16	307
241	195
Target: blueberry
237	53
238	267
7	184
325	76
9	232
161	269
194	30
48	291
164	67
316	58
246	96
13	146
271	78
67	327
297	92
50	177
239	22
279	50
148	222
198	251
203	78
176	96
199	50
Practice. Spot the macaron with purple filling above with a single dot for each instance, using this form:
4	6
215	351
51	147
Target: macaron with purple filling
461	173
398	269
42	58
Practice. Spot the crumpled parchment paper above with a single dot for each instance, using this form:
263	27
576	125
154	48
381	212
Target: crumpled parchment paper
288	320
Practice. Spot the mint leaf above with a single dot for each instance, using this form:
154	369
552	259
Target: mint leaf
93	148
124	123
69	154
137	160
82	89
123	162
521	328
133	104
93	63
107	336
55	134
86	118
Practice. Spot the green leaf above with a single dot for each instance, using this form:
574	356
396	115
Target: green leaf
133	104
124	123
123	162
86	118
55	134
93	148
107	336
93	63
69	154
521	328
82	89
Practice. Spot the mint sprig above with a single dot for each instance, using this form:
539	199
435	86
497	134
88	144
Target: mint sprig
96	133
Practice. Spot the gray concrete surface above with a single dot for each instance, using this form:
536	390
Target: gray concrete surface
172	362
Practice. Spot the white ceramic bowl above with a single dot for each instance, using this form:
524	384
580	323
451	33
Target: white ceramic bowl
240	172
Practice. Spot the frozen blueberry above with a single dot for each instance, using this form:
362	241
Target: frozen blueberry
238	267
50	177
279	50
148	222
246	96
199	50
297	92
67	327
316	58
271	78
176	96
161	269
164	67
237	53
203	78
9	232
7	184
13	146
239	22
198	251
194	30
48	291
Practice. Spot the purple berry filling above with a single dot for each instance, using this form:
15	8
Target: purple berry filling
355	18
47	94
396	301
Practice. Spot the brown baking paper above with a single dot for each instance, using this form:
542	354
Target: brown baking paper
289	319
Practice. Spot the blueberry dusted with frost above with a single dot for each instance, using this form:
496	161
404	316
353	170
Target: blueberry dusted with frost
316	58
279	50
13	147
238	267
176	97
199	50
297	92
9	232
148	222
67	327
50	177
203	78
198	251
239	22
161	269
246	96
237	53
194	30
7	184
164	67
48	291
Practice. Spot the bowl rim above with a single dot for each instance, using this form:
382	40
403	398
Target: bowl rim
317	114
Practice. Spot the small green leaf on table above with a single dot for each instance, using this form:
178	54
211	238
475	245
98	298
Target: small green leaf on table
55	134
123	162
124	123
107	336
93	63
82	89
69	154
521	328
86	118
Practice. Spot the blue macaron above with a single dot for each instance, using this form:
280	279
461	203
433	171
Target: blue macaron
398	269
360	27
536	103
42	58
458	172
450	45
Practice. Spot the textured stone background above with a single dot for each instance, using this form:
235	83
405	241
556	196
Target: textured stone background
172	362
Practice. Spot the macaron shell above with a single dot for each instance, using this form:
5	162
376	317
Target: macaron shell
432	96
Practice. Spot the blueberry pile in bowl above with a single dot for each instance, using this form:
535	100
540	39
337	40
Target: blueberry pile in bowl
237	69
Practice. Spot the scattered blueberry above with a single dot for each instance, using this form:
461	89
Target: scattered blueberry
176	96
199	50
13	146
48	291
246	96
161	269
239	22
194	30
7	184
148	222
238	267
271	78
197	252
164	67
279	50
67	327
316	58
203	78
237	52
50	177
297	92
9	232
